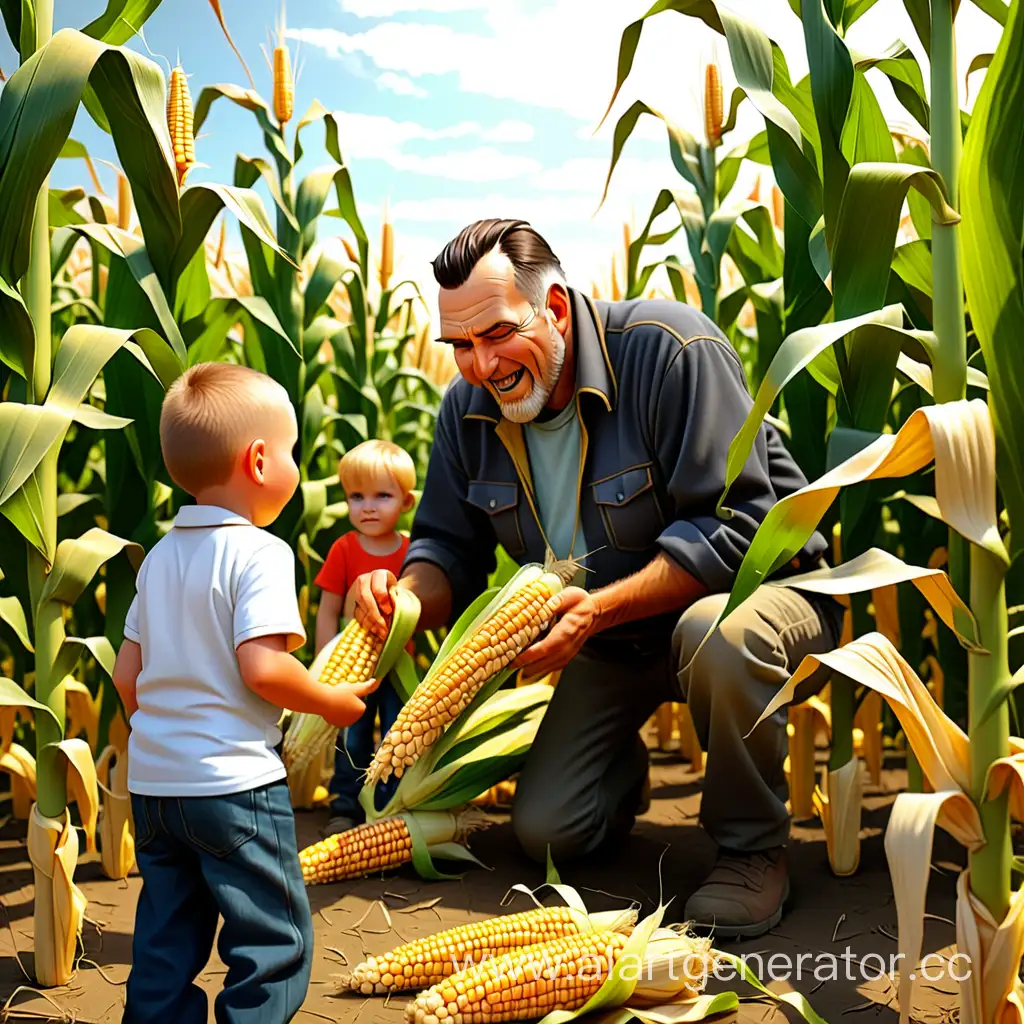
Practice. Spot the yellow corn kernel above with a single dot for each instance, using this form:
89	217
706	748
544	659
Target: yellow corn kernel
437	702
179	123
561	974
712	105
429	960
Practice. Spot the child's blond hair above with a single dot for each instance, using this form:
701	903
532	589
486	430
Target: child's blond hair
367	461
209	415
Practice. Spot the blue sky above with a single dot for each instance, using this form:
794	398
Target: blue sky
456	109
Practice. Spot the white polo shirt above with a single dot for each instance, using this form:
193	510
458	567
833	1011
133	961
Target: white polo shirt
213	581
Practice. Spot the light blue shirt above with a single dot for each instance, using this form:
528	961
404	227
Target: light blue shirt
554	449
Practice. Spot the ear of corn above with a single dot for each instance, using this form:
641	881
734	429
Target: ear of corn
712	105
477	652
389	843
353	656
651	969
179	123
387	253
428	961
284	83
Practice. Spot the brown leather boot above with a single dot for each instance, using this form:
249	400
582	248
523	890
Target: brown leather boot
743	896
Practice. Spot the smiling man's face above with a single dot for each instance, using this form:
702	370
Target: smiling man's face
501	342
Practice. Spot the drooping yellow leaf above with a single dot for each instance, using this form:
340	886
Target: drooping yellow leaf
940	745
879	571
965	471
21	766
908	848
82	788
993	992
59	904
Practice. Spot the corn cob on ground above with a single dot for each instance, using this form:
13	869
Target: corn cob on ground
442	696
382	845
561	974
428	961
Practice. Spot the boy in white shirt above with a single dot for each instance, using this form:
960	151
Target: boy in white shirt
203	672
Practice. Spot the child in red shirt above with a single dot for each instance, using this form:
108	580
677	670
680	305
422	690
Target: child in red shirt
378	478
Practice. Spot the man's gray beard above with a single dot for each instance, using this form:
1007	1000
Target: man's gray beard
526	409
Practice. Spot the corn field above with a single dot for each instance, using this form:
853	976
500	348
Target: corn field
872	283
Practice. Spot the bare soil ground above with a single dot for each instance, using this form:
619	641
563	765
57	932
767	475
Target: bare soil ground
832	926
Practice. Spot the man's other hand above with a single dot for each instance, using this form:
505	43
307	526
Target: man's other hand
575	619
373	601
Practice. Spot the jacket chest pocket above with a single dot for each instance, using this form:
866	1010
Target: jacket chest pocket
629	508
500	501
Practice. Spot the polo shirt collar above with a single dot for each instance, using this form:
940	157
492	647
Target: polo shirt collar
593	368
208	515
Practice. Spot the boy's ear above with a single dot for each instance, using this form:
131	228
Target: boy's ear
408	501
255	460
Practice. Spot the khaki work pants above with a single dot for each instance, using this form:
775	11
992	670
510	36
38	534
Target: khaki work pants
581	784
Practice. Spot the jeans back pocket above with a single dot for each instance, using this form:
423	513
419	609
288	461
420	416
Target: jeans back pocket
219	825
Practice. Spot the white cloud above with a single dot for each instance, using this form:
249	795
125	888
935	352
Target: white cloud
388	8
401	85
375	137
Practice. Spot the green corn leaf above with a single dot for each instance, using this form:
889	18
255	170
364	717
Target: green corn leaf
200	206
121	20
13	696
920	15
68	501
132	250
992	199
72	649
404	676
754	149
13	614
997	10
25	510
37	109
863	246
913	262
84	351
27	433
865	136
326	274
900	66
247	100
265	171
17	335
795	353
422	861
78	560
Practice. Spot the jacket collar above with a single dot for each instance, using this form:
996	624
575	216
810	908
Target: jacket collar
208	515
594	373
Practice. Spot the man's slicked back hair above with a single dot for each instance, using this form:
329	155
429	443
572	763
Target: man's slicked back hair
531	256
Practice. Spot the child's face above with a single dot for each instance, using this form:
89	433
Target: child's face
280	474
376	507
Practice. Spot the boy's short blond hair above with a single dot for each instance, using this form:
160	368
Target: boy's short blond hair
367	461
209	415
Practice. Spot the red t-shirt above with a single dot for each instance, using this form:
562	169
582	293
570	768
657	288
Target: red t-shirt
348	559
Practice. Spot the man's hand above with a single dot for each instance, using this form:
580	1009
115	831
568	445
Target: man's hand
576	615
373	601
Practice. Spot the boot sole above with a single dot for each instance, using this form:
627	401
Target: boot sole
752	930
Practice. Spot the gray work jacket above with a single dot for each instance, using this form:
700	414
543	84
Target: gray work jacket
660	395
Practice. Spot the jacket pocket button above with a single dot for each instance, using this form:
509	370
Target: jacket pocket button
492	503
619	496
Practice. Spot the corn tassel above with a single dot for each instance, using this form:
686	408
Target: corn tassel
383	845
387	253
59	903
428	961
117	829
505	627
712	106
20	765
179	123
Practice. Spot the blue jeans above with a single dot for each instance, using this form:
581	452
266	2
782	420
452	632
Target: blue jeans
202	858
355	752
